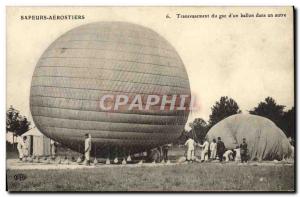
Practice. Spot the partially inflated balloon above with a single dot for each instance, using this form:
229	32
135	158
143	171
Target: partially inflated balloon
265	140
108	58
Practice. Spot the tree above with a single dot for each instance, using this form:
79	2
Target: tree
285	120
269	109
199	128
183	137
288	123
16	123
222	109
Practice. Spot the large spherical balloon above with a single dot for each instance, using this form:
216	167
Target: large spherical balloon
108	58
265	140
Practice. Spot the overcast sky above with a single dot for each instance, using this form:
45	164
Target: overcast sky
245	59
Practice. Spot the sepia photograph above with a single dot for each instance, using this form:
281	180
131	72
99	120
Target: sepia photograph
150	99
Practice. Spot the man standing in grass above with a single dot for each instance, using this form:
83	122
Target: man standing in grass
52	149
213	149
204	152
25	148
244	150
190	143
220	149
237	154
165	149
20	147
87	148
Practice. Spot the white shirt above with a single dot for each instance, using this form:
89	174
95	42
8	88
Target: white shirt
213	146
227	153
88	144
190	144
238	154
25	147
20	142
205	145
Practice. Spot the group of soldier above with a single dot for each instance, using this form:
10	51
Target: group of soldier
216	150
23	147
213	150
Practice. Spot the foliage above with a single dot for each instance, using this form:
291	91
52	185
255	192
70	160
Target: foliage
285	120
222	109
199	128
15	122
183	137
288	123
269	109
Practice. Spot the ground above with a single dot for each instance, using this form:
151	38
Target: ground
212	176
182	177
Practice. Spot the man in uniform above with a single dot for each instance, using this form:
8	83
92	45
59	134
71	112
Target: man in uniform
87	148
228	155
165	149
213	149
20	147
220	149
190	154
25	148
204	152
244	151
237	157
52	148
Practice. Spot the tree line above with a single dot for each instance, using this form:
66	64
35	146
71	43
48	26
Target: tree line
15	122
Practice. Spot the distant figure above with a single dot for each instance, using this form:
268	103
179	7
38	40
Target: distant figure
292	152
190	154
220	149
165	150
213	149
87	148
20	147
237	154
228	155
205	147
25	148
52	148
244	151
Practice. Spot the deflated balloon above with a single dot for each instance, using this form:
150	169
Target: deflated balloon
265	140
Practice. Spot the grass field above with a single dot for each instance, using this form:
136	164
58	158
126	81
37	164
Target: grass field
191	177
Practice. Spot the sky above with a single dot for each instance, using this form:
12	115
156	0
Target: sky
247	59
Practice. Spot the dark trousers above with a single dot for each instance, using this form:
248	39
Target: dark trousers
220	155
165	154
244	158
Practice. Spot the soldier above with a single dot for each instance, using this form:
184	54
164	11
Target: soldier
25	148
244	151
20	147
87	148
204	152
52	149
228	155
165	150
213	149
237	157
190	154
220	149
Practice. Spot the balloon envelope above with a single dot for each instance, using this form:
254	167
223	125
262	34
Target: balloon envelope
108	58
265	140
